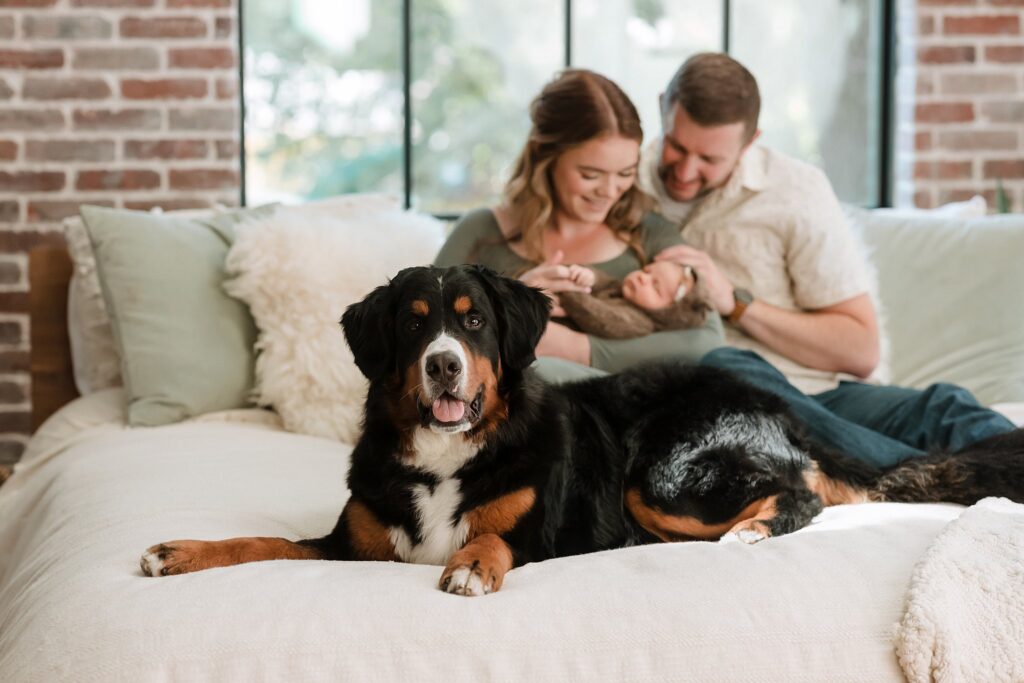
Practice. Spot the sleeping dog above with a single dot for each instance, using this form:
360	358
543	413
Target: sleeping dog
469	461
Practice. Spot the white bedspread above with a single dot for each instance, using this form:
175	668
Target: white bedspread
91	495
965	608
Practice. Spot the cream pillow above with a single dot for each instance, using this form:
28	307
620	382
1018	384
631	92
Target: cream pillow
952	289
298	270
858	218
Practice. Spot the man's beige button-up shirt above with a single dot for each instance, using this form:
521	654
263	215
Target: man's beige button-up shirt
776	229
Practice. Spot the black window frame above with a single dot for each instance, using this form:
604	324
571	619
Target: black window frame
887	79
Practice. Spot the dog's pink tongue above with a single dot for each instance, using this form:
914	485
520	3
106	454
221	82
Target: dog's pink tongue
448	409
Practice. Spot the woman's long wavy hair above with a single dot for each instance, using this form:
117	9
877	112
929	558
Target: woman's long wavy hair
576	107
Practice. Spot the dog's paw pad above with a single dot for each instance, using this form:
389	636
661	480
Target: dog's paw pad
464	581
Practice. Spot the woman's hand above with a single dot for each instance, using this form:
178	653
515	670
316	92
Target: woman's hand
561	342
718	287
553	277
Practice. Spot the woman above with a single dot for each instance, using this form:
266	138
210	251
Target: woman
573	199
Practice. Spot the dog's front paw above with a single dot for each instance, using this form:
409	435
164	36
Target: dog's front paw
746	536
173	557
466	581
478	568
749	531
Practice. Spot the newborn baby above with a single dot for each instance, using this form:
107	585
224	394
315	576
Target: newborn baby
661	296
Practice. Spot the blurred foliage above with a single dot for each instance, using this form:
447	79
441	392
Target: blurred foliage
322	120
1003	204
649	10
319	163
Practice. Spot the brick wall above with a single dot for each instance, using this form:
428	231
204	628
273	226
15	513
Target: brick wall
126	103
961	112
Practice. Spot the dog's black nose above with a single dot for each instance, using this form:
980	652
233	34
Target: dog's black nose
444	367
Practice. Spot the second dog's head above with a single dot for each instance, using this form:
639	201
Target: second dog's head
444	337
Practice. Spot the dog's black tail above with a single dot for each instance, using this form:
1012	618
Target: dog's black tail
993	467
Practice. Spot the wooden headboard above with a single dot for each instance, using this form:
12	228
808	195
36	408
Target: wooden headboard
53	383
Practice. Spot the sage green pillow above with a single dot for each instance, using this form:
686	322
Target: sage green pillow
186	346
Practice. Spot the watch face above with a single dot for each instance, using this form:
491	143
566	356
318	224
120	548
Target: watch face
743	295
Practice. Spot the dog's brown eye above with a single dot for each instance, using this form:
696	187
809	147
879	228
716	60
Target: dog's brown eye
414	325
474	321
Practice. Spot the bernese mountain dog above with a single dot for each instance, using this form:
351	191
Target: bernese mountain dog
470	461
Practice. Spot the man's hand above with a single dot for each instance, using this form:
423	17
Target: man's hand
561	342
718	287
838	338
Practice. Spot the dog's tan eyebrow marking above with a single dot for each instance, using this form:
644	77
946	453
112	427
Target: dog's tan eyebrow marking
420	307
463	304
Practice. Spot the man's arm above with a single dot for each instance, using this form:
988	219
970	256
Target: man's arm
838	338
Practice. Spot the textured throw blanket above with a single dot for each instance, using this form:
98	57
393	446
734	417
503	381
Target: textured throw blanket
965	608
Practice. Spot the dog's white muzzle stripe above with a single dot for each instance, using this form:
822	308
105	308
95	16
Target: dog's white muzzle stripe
445	342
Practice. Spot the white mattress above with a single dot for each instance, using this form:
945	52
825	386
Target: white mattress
91	495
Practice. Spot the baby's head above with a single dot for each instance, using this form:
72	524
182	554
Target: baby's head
658	285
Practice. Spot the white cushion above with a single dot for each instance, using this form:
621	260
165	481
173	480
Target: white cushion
975	207
951	289
298	270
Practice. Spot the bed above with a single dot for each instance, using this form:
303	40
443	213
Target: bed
842	600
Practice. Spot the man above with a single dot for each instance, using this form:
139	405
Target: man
768	238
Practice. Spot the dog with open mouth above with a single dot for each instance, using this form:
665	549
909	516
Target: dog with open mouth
469	461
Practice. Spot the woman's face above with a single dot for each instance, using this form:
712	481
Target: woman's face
590	178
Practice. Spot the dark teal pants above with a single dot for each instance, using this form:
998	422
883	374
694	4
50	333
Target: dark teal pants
880	424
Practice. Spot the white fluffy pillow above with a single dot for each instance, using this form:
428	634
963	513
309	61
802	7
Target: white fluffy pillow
298	270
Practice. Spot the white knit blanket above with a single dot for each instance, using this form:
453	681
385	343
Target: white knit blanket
965	607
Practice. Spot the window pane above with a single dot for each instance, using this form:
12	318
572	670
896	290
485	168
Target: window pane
323	98
639	44
816	62
475	67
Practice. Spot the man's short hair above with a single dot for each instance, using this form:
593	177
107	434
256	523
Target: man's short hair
715	90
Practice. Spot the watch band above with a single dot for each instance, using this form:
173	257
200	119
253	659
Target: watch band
741	299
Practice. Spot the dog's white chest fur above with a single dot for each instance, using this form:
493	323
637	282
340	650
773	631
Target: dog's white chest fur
441	454
441	533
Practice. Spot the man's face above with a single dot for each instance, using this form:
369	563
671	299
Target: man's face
695	159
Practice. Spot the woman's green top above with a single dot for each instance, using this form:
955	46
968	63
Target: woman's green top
476	238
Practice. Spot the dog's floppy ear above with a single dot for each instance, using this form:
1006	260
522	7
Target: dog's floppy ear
522	316
369	327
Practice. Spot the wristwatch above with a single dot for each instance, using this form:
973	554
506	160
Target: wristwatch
741	299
